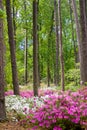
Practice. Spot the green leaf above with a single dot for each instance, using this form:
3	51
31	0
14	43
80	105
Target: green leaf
2	13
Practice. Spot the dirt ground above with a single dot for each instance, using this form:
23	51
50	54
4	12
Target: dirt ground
11	126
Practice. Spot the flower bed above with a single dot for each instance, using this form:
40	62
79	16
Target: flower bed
54	111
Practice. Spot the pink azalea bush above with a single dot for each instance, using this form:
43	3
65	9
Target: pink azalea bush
60	110
65	111
8	93
29	94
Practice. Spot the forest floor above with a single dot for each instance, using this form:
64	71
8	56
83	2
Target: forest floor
11	126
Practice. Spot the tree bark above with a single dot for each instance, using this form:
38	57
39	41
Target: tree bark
25	59
35	49
38	29
57	43
12	48
83	22
14	22
26	46
77	26
2	96
61	48
81	38
73	35
48	57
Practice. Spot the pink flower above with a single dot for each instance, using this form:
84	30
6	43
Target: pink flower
57	128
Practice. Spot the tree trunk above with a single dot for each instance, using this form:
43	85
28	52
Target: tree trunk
61	48
48	61
57	43
2	96
77	25
83	22
82	39
26	46
25	57
12	48
86	9
14	22
48	57
38	44
35	49
73	35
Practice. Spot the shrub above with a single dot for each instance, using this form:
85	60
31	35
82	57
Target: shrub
66	111
73	75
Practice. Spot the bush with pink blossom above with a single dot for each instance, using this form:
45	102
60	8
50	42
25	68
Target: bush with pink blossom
66	111
29	93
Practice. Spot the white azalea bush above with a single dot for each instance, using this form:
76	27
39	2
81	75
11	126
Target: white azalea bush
26	101
22	105
16	103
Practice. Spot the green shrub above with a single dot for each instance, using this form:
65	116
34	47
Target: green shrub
73	76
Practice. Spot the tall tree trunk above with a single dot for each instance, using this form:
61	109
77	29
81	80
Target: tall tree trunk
35	49
2	96
83	22
57	43
77	25
48	57
86	8
73	35
26	46
14	22
48	61
25	58
41	66
12	48
78	36
60	43
38	43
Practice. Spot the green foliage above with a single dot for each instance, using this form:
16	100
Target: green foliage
72	87
20	116
21	75
2	13
8	87
8	74
72	77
